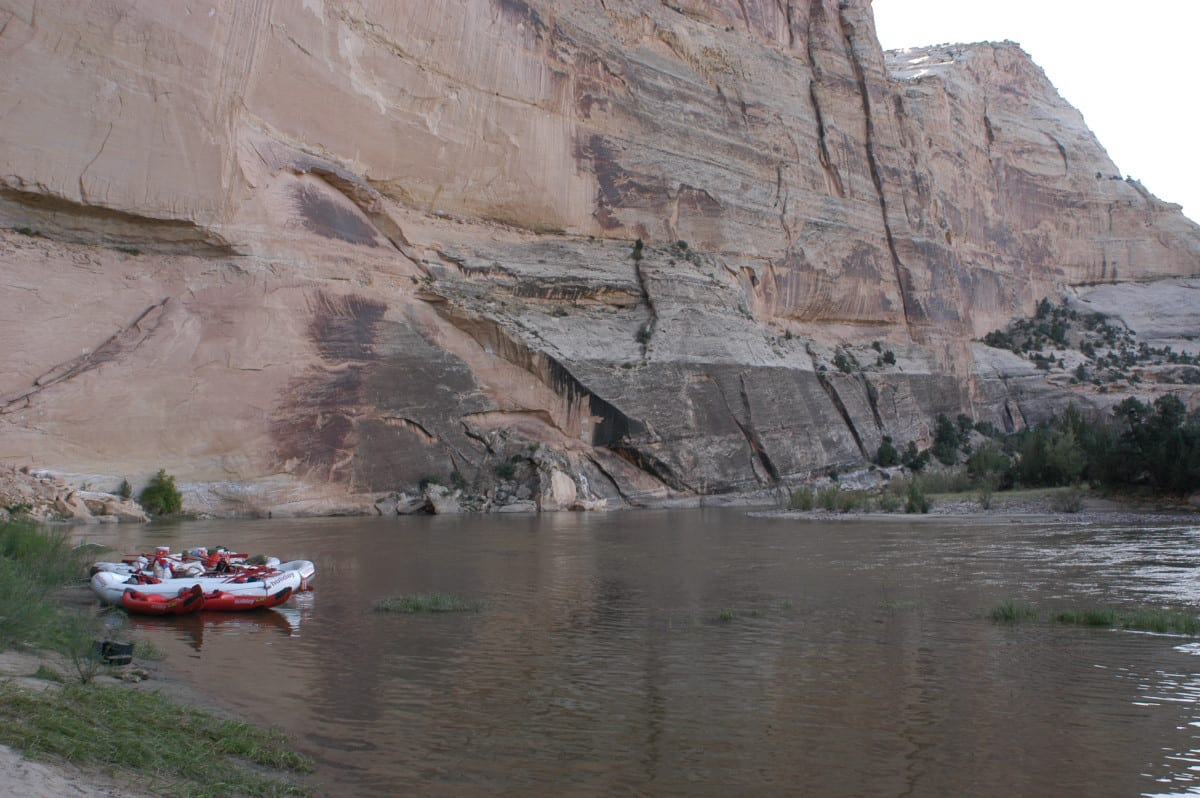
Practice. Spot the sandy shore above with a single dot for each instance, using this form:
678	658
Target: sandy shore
30	778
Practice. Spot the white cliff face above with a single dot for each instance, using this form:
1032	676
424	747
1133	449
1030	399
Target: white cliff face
305	254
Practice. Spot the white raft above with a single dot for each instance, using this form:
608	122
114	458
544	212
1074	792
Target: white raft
110	586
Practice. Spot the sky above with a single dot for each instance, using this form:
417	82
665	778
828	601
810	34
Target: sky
1131	68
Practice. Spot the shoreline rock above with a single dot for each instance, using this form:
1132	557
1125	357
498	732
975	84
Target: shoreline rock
44	497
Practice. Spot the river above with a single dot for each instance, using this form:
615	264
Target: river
708	653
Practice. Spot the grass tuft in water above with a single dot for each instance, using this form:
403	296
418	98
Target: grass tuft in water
428	602
1093	616
1014	612
1141	619
726	616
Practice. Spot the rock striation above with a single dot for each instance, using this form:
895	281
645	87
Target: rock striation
316	257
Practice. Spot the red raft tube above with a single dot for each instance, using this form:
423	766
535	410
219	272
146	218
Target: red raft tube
223	601
189	600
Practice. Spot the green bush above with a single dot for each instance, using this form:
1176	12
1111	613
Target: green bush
802	499
887	454
161	497
827	498
889	502
914	460
1069	501
916	501
852	500
32	563
986	461
945	441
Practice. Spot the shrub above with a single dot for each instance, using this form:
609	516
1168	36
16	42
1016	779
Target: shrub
32	563
916	502
986	489
126	490
887	454
802	499
851	500
1069	501
506	469
827	498
161	497
987	460
889	502
945	441
914	460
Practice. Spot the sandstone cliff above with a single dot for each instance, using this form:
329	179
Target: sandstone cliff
308	256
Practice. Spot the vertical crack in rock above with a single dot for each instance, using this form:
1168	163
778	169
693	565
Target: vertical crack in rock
237	65
751	434
646	333
786	7
833	179
1062	151
83	194
839	406
903	278
782	195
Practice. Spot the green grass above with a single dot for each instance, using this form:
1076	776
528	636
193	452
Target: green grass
161	746
33	563
1141	619
428	602
1095	616
1014	612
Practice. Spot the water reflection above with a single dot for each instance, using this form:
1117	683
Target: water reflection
191	629
709	653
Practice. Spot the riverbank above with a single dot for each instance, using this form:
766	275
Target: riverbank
160	736
1017	506
71	724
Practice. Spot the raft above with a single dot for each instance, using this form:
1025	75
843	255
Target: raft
110	587
185	602
224	601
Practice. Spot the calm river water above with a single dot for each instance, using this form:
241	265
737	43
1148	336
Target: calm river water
709	653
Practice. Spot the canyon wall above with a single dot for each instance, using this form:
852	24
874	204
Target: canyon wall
312	256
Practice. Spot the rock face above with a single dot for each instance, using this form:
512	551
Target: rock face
308	256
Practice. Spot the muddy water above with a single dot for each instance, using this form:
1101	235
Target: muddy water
710	653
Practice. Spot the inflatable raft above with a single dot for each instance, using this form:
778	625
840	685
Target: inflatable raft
110	587
187	601
224	601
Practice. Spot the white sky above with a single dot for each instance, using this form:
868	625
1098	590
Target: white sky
1131	68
